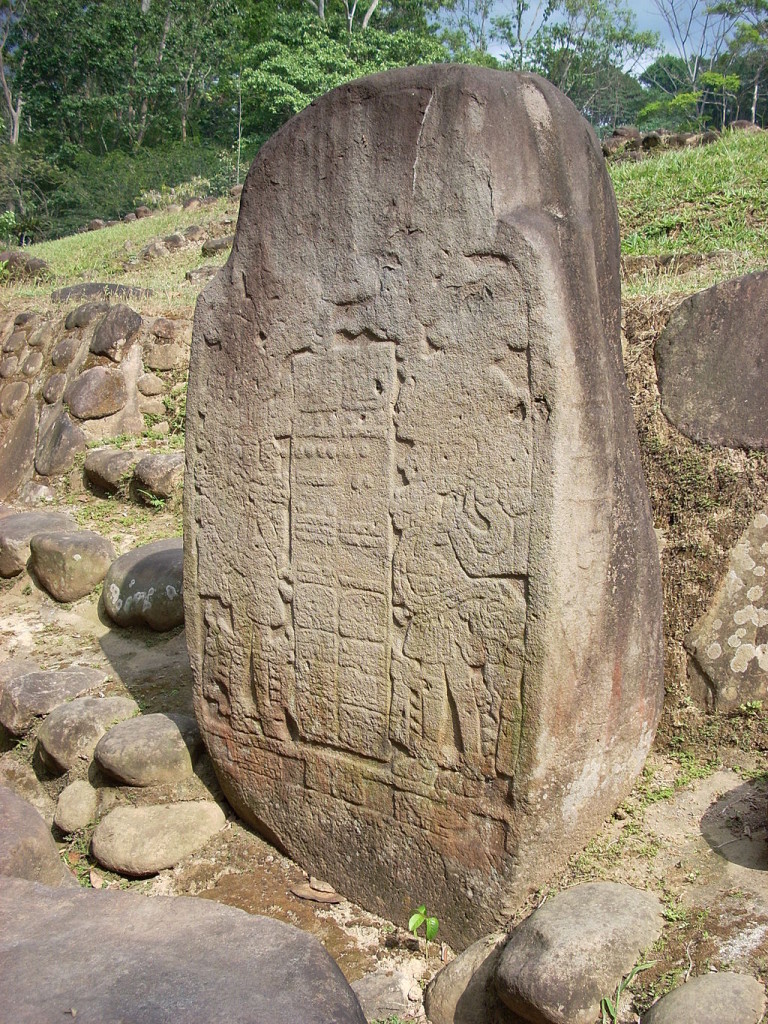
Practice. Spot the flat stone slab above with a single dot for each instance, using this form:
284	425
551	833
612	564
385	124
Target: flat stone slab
30	695
561	961
110	469
76	807
59	441
70	733
150	750
144	586
710	361
728	646
140	841
69	565
16	532
27	848
181	960
721	998
159	476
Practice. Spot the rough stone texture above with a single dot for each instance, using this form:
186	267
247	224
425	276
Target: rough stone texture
159	476
711	364
720	998
164	354
12	396
27	849
195	233
70	733
77	807
462	992
30	695
561	961
17	451
20	267
728	646
84	315
140	841
118	328
17	531
54	387
217	245
59	441
150	750
109	469
424	609
95	393
383	995
150	384
19	776
144	586
60	952
69	565
65	350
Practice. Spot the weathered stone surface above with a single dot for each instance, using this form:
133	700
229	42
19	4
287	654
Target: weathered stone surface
33	363
59	441
60	950
150	384
711	364
383	995
77	806
199	275
118	328
17	451
561	961
195	233
140	841
15	343
54	387
721	998
20	267
17	775
728	646
95	393
84	315
96	289
9	367
16	532
109	469
163	354
12	397
69	565
159	476
462	992
27	849
70	733
144	586
216	245
65	350
150	750
417	527
31	695
143	211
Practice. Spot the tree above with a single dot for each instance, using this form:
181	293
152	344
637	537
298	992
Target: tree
519	27
12	57
699	32
750	39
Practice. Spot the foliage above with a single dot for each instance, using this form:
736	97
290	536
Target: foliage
8	233
610	1007
431	925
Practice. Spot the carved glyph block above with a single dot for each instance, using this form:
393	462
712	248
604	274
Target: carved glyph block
421	582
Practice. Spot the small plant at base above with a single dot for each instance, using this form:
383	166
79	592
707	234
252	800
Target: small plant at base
420	917
610	1007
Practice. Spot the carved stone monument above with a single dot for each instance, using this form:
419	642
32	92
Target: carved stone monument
421	581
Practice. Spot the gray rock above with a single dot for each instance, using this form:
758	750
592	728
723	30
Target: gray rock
115	332
21	267
17	451
17	531
383	995
12	397
721	998
64	351
143	211
728	656
195	233
561	961
31	695
150	750
42	336
96	393
164	327
110	469
144	586
154	251
175	241
215	245
69	565
17	775
59	442
150	384
711	364
96	224
15	343
159	476
70	733
85	315
463	992
54	387
162	354
201	275
59	953
33	493
33	363
140	841
77	807
27	849
9	366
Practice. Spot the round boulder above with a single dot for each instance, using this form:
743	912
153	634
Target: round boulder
70	733
69	565
77	807
16	533
150	750
144	586
96	393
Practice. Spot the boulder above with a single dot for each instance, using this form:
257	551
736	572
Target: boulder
33	363
15	343
175	241
18	776
17	452
70	733
27	849
150	384
9	367
721	998
561	961
179	960
383	995
195	233
26	696
463	992
216	245
21	267
65	350
69	565
159	476
17	531
200	275
12	397
115	332
84	315
144	586
710	361
110	469
164	354
423	577
60	440
77	807
143	211
96	224
151	750
140	841
727	652
96	393
54	388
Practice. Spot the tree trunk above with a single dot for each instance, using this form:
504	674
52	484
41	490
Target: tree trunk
145	102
